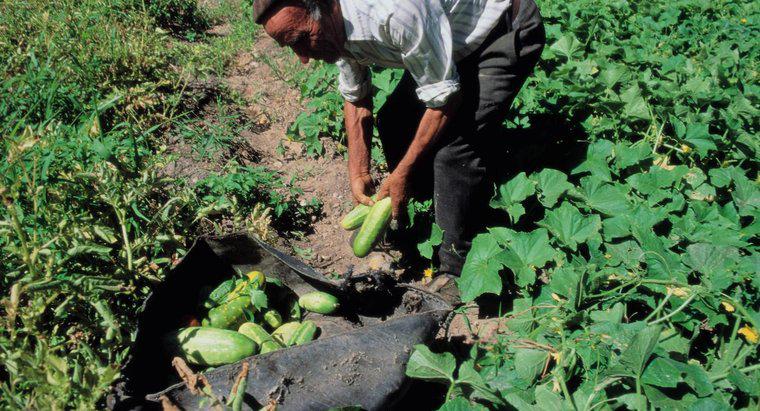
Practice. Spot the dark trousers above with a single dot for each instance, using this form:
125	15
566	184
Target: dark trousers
461	165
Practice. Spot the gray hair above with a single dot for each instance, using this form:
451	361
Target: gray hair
315	7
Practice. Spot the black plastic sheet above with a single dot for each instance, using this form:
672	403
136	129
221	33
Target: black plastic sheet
358	360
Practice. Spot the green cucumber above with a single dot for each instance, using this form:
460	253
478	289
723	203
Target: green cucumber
319	302
374	225
228	315
273	319
283	333
305	333
211	347
260	336
355	217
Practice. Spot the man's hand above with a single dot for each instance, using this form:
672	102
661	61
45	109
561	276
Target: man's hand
362	187
395	186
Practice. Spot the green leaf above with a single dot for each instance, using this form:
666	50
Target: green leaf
520	319
480	273
603	197
570	226
467	375
426	247
662	373
640	349
546	400
529	363
697	379
551	184
511	194
567	282
427	365
566	46
746	195
461	404
633	401
698	136
627	155
717	263
259	299
526	252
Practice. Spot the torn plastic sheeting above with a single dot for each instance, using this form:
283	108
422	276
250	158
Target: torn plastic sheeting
359	358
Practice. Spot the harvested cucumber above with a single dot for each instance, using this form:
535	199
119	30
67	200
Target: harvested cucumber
260	336
305	333
211	347
273	319
284	332
355	217
228	315
374	225
319	302
234	288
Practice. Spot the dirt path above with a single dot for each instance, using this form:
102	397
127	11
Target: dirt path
274	102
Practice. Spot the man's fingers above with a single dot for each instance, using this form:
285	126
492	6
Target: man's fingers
364	199
396	209
382	192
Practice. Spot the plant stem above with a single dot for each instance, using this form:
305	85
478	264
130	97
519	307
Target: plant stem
659	307
747	369
676	311
22	238
560	376
449	391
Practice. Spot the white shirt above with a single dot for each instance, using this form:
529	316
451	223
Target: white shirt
426	37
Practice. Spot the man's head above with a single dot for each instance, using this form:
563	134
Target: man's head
312	28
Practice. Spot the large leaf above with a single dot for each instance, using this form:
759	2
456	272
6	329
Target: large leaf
511	194
566	46
570	226
480	273
662	373
603	197
698	136
551	184
634	358
716	263
526	252
529	363
567	282
461	404
468	375
427	365
426	247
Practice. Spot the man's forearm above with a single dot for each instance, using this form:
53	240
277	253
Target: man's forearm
433	121
358	118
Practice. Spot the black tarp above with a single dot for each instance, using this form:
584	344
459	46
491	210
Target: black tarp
359	358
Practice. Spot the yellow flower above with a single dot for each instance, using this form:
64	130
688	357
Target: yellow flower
556	297
743	20
750	334
428	273
686	149
727	306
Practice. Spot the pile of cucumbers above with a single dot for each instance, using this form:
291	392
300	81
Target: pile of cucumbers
238	322
373	222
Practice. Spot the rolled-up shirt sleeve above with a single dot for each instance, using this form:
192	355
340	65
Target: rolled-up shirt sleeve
354	80
421	31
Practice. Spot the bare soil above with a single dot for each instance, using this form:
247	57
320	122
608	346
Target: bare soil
272	105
